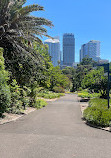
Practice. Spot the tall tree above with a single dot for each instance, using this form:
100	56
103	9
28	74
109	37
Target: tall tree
16	24
88	61
18	30
95	80
70	72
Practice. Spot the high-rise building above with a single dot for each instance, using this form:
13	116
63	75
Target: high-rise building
54	50
61	57
68	49
91	50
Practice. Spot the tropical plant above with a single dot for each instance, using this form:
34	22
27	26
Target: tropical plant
18	31
16	24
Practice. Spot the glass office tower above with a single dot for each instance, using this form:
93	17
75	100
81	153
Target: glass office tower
68	49
54	50
91	50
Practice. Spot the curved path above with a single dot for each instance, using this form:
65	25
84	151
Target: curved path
55	131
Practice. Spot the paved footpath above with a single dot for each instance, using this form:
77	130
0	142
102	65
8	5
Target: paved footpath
55	131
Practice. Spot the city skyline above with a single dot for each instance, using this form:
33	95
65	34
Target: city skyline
90	49
88	20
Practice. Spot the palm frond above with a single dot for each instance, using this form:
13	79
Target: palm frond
34	21
26	10
16	24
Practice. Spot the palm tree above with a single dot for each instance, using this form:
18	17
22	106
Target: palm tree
17	26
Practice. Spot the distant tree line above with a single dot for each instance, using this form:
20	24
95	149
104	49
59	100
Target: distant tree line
88	75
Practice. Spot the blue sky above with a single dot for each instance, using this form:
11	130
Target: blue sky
88	20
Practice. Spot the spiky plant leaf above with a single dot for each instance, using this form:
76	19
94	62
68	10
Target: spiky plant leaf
16	23
18	30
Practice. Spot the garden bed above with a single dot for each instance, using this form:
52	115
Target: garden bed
99	117
8	117
97	113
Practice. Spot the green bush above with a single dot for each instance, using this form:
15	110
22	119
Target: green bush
36	90
100	103
25	96
39	103
98	113
58	89
5	96
16	100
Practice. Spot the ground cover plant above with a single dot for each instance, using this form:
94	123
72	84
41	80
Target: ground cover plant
97	113
50	95
86	94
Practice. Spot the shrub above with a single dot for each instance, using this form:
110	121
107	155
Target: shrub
58	89
36	90
16	102
39	103
5	96
25	92
98	113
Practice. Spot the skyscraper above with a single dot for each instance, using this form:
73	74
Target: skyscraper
91	50
54	50
68	49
